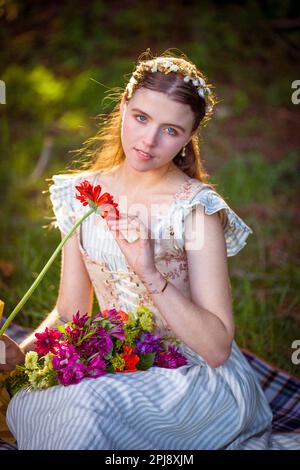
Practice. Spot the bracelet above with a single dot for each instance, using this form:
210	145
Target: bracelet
156	291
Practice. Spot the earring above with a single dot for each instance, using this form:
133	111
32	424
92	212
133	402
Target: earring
183	152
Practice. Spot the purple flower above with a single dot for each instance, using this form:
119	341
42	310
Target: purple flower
117	332
80	320
96	367
148	343
65	356
74	333
170	359
100	342
73	374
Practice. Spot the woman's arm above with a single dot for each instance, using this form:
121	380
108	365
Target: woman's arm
204	323
75	293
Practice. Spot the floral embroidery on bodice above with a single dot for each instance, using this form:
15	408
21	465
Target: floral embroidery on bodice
115	283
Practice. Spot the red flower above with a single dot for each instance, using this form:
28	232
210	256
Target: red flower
120	314
91	195
130	359
47	341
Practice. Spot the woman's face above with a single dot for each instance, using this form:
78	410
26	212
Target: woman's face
154	124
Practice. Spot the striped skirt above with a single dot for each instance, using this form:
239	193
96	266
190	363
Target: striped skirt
191	407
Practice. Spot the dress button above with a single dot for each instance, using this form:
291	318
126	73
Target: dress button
171	233
137	284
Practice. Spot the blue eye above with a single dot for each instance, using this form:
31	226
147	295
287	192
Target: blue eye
174	133
140	115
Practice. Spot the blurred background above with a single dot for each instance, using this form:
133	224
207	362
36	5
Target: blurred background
59	59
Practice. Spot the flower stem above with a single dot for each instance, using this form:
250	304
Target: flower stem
43	272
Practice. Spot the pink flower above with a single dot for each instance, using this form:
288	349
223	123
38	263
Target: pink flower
48	341
80	321
72	374
65	356
170	359
100	342
96	367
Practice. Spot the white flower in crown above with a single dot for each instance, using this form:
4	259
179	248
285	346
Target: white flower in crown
132	81
166	64
201	92
174	68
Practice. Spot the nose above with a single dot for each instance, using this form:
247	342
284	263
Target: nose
150	137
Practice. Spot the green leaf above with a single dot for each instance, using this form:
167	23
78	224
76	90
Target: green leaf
146	361
61	328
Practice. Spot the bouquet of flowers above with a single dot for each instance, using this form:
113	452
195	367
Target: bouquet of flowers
111	341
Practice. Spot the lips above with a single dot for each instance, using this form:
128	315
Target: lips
146	154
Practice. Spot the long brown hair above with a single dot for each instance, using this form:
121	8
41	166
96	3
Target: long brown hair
104	151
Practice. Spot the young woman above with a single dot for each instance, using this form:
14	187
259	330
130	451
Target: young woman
174	260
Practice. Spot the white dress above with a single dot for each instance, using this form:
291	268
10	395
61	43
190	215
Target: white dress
192	407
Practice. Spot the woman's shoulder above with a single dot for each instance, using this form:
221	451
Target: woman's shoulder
63	186
71	178
189	187
195	193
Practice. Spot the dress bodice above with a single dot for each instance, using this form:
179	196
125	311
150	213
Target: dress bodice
114	281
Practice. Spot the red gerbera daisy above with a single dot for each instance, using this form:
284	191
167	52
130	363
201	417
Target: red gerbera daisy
91	195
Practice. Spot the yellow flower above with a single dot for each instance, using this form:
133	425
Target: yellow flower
1	308
132	319
145	318
31	360
146	322
118	362
48	362
38	378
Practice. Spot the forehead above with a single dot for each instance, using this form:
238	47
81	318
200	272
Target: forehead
159	106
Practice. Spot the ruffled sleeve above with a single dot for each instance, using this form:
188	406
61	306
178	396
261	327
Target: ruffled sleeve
62	197
236	230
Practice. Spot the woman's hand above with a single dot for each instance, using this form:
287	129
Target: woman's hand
10	354
139	253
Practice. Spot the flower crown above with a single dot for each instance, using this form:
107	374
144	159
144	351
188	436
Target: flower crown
166	66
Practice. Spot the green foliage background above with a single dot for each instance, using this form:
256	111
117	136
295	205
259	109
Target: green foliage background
58	59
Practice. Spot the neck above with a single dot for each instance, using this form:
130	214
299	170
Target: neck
130	178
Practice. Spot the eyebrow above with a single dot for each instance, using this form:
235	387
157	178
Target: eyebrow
164	124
